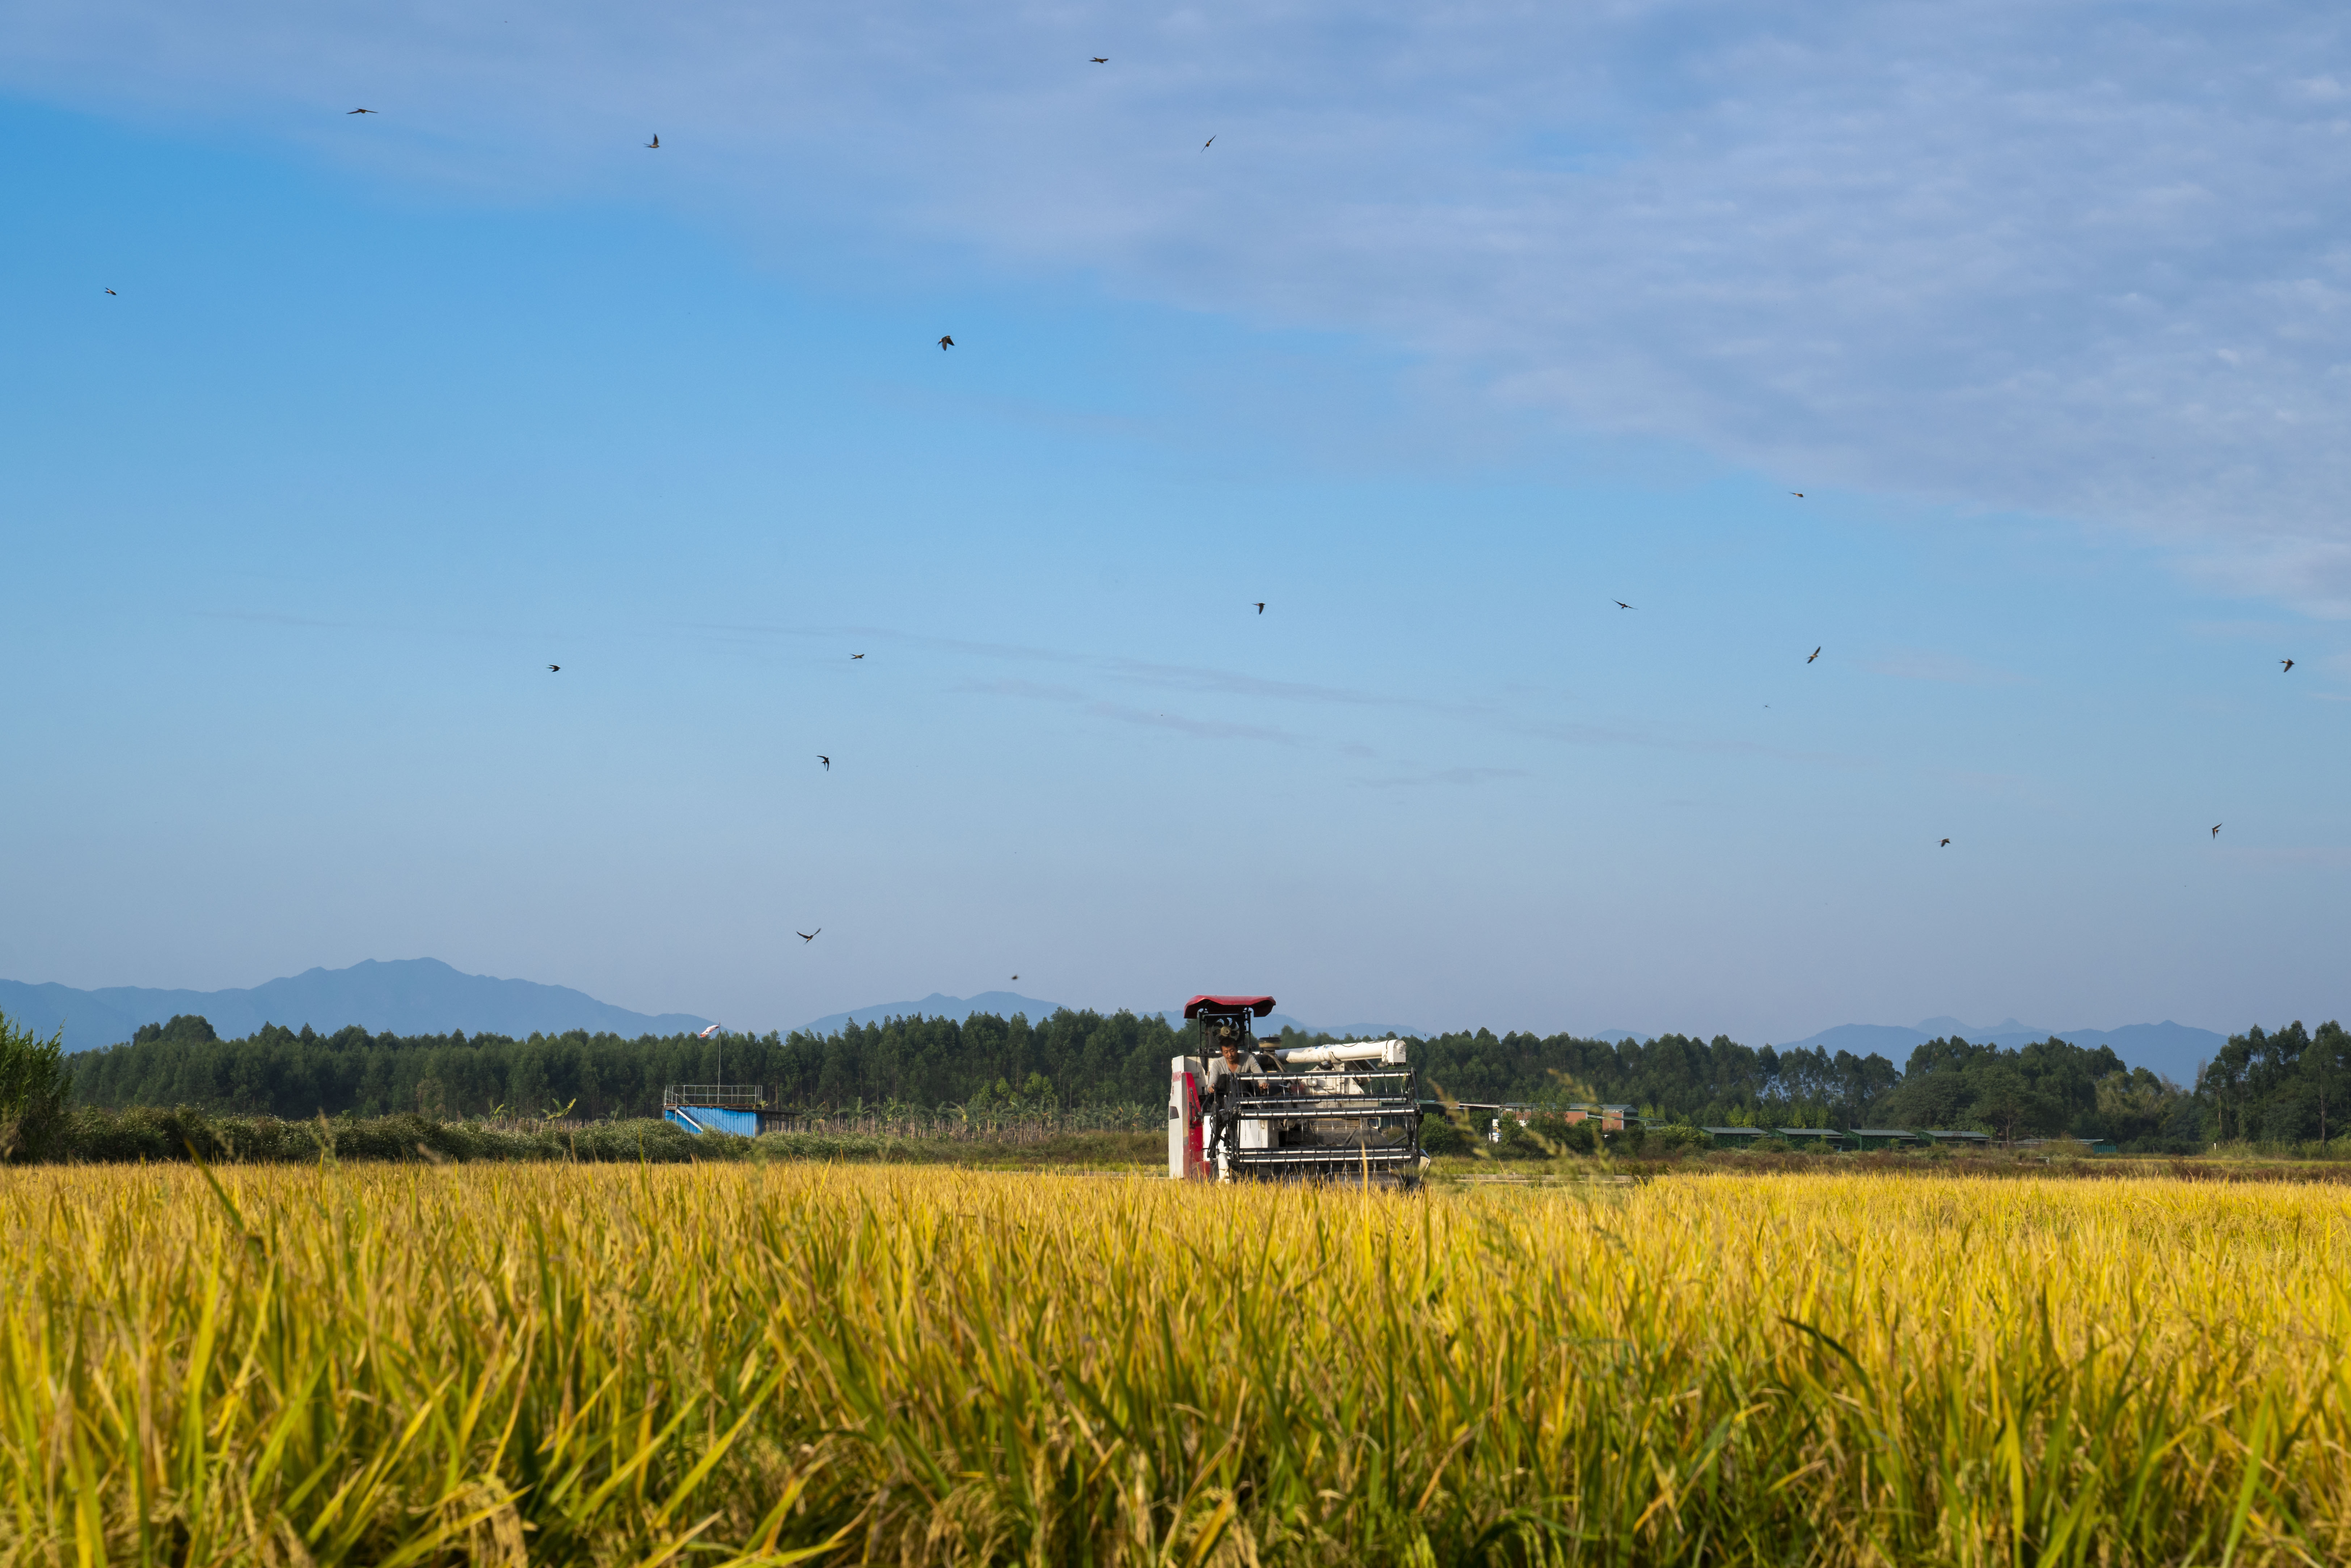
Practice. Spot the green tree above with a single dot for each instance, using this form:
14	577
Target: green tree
185	1029
2138	1106
34	1090
2007	1104
2326	1068
2278	1087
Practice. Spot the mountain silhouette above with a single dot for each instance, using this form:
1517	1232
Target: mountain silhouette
403	996
2174	1050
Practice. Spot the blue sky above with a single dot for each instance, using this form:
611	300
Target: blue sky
1470	323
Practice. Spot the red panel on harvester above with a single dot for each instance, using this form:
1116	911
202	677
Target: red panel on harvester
1188	1155
1258	1005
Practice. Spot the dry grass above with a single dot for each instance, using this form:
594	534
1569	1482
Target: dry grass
740	1363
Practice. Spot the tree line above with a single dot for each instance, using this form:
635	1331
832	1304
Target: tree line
2293	1085
1071	1058
2288	1087
2052	1088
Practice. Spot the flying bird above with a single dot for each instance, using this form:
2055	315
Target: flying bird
1016	977
116	296
1211	142
1102	60
945	343
705	1033
1621	604
2287	663
1816	653
809	936
552	668
655	143
820	756
857	655
2215	829
1798	494
1260	607
350	112
1944	845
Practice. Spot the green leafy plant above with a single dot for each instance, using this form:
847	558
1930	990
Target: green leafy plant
34	1090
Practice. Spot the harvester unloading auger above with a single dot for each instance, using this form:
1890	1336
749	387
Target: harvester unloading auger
1238	1110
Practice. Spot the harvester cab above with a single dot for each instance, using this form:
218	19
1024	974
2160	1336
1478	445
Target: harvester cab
1240	1111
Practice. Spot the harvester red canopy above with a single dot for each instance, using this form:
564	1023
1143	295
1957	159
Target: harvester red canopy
1258	1005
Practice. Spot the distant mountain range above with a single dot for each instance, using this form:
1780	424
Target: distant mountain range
2172	1049
424	996
405	996
938	1005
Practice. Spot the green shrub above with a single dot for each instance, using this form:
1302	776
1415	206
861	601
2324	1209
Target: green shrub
1442	1135
34	1090
827	1146
1519	1142
1674	1138
1564	1136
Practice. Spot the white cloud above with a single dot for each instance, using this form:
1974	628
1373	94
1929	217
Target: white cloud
1455	777
2083	259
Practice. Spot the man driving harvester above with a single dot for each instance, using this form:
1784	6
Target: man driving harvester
1202	1131
1238	1059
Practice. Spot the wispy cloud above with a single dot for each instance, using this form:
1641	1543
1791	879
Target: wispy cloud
2245	631
1455	777
264	617
1184	678
1927	664
1196	678
1093	707
1035	690
1203	681
2070	259
2332	857
1592	735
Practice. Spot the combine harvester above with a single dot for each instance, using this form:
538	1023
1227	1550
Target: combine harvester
1315	1113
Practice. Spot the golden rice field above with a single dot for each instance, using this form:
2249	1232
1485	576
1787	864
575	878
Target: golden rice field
729	1365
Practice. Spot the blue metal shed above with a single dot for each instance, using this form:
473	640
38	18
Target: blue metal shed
714	1107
